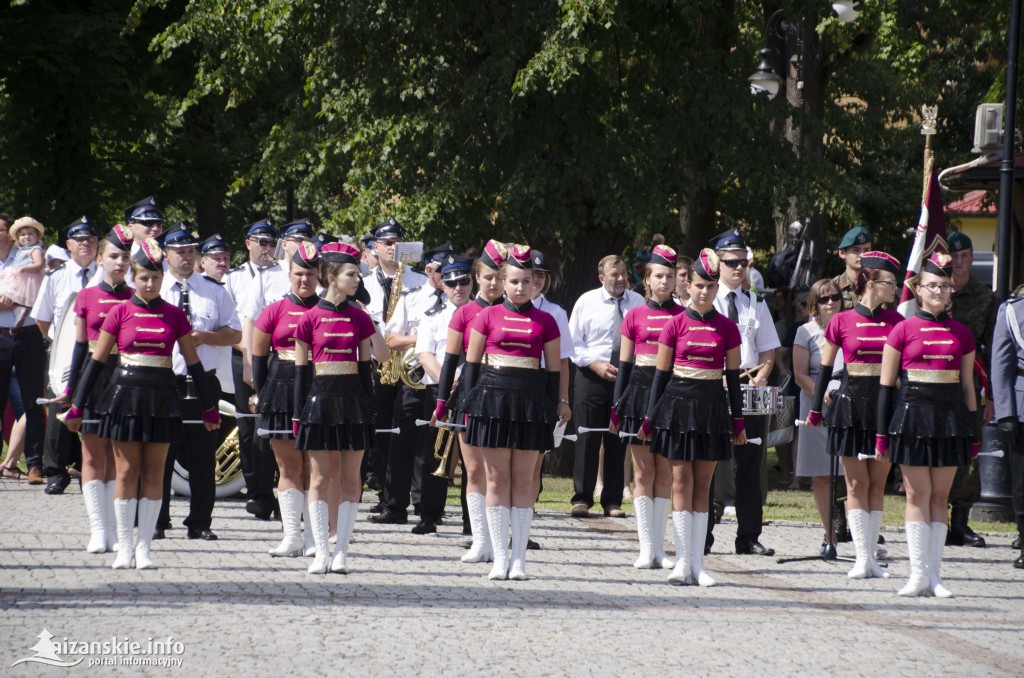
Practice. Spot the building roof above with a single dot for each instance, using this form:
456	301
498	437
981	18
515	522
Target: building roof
982	177
975	203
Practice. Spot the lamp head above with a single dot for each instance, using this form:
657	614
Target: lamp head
765	80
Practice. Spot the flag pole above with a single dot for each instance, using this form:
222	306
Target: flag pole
929	122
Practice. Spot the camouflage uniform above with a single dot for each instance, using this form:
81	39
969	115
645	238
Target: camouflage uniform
976	307
846	289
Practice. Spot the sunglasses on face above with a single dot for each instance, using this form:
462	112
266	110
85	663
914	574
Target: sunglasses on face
461	282
824	299
734	263
264	242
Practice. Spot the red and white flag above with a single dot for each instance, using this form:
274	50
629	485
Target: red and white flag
931	224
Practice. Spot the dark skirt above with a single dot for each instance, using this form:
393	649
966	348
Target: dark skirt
277	398
457	403
338	415
930	426
852	416
632	406
691	421
509	408
141	404
89	412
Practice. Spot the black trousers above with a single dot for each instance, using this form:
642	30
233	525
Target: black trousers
61	447
26	352
592	404
402	450
433	490
258	464
375	461
194	450
747	477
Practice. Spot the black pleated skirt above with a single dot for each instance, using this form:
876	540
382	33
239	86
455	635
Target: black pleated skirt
851	420
89	412
338	415
509	408
691	421
277	398
632	406
141	404
930	426
457	403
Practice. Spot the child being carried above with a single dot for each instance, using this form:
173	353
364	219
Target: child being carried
20	283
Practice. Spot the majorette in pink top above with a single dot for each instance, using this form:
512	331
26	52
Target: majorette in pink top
280	319
333	332
930	343
700	341
520	332
643	325
146	329
861	332
95	303
463	318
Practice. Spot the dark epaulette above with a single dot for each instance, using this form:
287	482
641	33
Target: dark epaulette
214	280
57	268
411	290
434	310
236	268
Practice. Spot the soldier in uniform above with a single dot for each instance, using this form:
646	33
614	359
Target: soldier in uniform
856	242
214	258
146	220
394	404
975	306
1008	396
249	285
61	446
211	312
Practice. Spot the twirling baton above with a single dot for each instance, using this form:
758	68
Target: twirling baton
442	424
589	429
264	432
998	454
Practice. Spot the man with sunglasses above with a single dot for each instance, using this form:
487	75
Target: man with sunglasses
976	306
146	220
855	243
757	355
456	278
260	272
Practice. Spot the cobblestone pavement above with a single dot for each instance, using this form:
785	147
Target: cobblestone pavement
410	607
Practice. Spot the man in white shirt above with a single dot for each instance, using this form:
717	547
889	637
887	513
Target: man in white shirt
214	324
595	326
53	303
757	352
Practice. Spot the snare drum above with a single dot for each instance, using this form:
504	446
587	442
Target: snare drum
761	400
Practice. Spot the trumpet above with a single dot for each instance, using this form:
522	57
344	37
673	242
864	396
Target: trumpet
449	459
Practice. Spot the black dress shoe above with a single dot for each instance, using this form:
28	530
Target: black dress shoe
754	548
202	534
372	483
1015	544
531	545
159	533
57	484
390	518
259	509
425	526
379	507
1019	563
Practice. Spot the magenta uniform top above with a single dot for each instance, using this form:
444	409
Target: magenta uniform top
643	325
95	303
520	332
861	332
700	341
930	343
463	318
147	329
333	332
280	319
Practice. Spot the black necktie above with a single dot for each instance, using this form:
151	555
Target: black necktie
616	332
385	284
183	302
733	313
84	273
438	304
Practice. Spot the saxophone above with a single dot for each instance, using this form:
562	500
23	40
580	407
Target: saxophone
391	369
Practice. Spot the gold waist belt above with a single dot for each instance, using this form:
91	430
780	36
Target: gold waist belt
337	367
696	373
934	376
140	360
500	360
645	360
289	355
92	347
864	369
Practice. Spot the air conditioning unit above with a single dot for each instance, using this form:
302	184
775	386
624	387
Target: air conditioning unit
988	128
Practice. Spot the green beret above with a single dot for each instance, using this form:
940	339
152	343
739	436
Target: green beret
855	236
959	241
